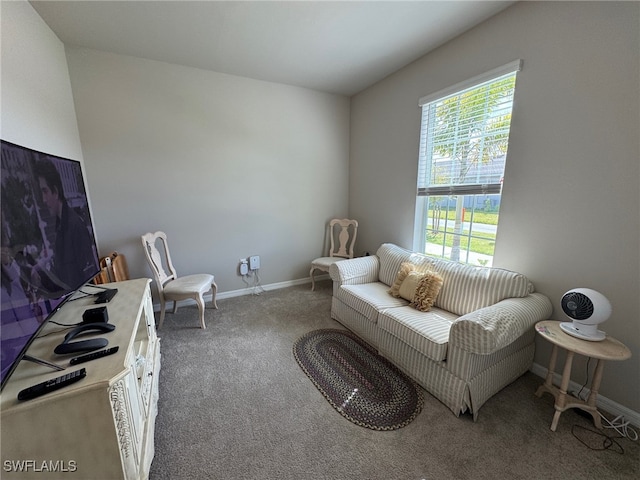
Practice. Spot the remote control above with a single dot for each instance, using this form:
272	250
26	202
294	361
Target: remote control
93	355
52	385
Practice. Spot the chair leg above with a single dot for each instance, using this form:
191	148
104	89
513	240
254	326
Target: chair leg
200	302
214	288
313	282
162	311
175	306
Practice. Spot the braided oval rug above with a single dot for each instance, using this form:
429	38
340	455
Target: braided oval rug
363	386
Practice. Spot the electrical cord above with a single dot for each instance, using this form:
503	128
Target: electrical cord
87	294
84	295
257	287
586	381
608	443
621	426
66	326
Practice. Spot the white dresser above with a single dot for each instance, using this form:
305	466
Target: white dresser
102	426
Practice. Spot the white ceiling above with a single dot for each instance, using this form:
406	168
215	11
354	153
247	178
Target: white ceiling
336	47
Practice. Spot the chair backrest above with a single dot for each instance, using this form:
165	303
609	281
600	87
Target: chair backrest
155	249
342	233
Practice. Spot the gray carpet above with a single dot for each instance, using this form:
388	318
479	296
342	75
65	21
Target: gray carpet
234	404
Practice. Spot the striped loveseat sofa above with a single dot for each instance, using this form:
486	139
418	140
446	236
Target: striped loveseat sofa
477	337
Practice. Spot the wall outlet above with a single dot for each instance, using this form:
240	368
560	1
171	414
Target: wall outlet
254	262
244	266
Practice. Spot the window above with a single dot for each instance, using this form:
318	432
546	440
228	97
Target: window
463	151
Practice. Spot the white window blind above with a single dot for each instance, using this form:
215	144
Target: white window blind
465	134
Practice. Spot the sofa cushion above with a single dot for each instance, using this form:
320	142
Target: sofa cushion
427	332
467	288
368	298
391	258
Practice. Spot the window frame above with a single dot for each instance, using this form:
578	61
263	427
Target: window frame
424	190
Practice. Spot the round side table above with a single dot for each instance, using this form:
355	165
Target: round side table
607	349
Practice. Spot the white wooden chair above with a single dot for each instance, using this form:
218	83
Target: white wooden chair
342	235
170	286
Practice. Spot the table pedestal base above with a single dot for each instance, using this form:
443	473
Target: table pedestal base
563	401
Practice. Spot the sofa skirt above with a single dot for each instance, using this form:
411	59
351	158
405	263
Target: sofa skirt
431	375
458	394
490	381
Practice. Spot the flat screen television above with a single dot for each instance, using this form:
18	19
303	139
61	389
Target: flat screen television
48	244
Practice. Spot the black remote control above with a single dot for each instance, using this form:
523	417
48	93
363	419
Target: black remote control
93	355
52	385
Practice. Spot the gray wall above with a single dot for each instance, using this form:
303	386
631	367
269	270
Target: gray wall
220	163
569	215
37	104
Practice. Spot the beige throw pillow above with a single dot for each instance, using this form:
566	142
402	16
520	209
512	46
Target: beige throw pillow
419	287
426	291
405	268
408	287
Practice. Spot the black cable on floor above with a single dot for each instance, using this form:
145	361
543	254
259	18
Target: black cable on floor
608	443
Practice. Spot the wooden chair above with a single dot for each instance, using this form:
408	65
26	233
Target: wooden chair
170	286
342	234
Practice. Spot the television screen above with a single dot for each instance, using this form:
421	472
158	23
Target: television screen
48	245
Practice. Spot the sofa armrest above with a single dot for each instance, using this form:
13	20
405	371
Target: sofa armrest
355	271
489	329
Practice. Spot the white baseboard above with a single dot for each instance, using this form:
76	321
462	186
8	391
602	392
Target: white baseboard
271	286
252	290
602	402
